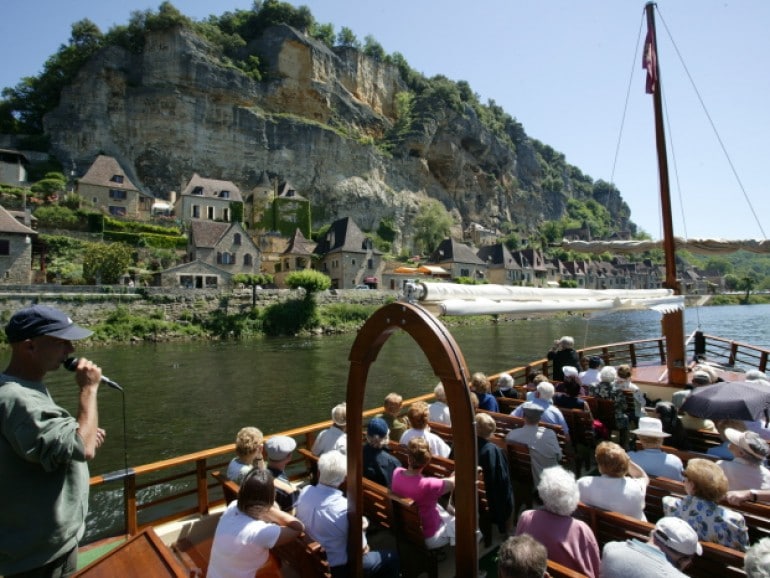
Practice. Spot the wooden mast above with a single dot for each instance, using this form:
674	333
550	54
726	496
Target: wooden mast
673	323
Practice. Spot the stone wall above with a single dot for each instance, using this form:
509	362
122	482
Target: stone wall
89	305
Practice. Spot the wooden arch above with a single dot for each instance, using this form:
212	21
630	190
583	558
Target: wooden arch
449	365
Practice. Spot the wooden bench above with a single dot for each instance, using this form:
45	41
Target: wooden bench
716	562
556	570
193	545
229	488
756	514
581	427
701	440
414	555
305	556
439	467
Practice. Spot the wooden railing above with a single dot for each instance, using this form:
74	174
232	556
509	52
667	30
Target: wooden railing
653	352
168	490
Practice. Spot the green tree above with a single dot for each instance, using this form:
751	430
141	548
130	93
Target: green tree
747	285
309	280
346	37
373	49
105	262
432	225
323	33
253	280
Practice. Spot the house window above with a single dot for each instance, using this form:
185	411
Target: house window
465	273
228	258
5	247
197	191
370	264
353	262
237	239
118	194
224	194
196	212
226	215
117	211
210	213
247	260
117	178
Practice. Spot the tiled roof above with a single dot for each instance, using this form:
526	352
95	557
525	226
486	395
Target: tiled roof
299	245
103	170
207	233
343	236
451	250
9	224
212	188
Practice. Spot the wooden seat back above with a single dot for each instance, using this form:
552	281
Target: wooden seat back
438	467
701	440
556	570
305	556
229	487
414	555
508	404
716	562
377	506
193	545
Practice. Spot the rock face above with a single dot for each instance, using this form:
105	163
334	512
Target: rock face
177	108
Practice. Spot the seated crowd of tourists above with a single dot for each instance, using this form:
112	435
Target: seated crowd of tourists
271	509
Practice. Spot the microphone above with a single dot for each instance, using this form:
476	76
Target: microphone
71	364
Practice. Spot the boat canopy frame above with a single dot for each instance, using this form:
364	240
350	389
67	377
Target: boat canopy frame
448	363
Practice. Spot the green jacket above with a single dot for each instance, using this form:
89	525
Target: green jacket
43	477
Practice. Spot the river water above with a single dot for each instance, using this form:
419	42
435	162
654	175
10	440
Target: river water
185	397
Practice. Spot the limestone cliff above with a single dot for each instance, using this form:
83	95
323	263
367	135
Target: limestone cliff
178	108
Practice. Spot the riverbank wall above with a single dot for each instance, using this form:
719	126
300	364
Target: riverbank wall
89	305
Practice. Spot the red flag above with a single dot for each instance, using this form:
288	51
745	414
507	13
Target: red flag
650	63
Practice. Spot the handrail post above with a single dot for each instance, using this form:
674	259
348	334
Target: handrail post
203	486
129	500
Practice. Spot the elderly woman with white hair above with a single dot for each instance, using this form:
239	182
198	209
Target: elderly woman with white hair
569	541
503	387
333	438
563	353
438	411
607	389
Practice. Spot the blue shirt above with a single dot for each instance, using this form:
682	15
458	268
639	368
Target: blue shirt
658	463
551	414
324	511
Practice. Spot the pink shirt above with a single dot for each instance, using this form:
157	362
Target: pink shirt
569	542
425	491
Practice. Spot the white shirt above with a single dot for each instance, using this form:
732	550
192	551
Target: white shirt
741	475
241	544
437	446
589	377
330	439
623	495
438	412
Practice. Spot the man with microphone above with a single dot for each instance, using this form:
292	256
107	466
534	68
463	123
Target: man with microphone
44	449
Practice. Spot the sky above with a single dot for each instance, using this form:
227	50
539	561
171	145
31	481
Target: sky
566	70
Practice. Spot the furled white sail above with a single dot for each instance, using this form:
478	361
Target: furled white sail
700	246
456	299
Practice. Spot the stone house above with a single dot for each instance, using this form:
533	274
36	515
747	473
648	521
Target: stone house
15	250
208	200
13	167
347	256
460	260
297	256
194	275
502	268
537	271
480	236
106	187
223	245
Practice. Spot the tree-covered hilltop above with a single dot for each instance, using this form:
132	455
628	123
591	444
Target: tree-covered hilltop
502	160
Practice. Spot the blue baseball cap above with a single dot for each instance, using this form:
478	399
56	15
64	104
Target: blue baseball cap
40	320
